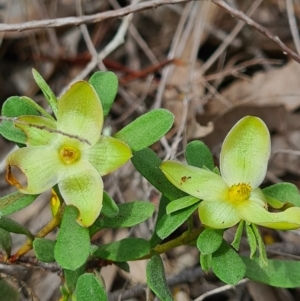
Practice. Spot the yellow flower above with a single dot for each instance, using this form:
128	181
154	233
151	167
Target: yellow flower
235	195
69	152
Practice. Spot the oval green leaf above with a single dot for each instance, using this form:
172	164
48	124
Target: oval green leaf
283	192
124	250
278	273
14	202
147	129
228	265
210	241
5	241
198	154
129	214
109	209
181	203
156	278
147	164
106	86
90	288
44	249
16	106
170	222
72	247
12	226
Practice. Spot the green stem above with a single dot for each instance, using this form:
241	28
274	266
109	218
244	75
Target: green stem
184	239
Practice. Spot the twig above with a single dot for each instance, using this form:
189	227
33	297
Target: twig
188	275
22	285
240	67
43	127
219	290
87	38
229	39
293	24
110	47
241	16
59	22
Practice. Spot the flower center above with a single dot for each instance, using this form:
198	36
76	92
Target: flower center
240	192
69	154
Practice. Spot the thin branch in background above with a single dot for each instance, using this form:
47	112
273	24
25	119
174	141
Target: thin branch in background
87	38
219	290
241	16
293	24
184	26
230	38
22	285
117	40
187	275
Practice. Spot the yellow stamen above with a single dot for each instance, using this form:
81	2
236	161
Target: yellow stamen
240	192
69	154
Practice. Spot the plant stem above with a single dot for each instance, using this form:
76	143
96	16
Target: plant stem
56	220
184	239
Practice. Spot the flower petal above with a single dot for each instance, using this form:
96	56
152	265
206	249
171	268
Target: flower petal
253	213
80	112
39	165
107	155
39	130
83	187
218	214
195	181
245	152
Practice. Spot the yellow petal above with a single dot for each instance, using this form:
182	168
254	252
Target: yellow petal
34	169
80	113
195	181
107	155
245	152
82	187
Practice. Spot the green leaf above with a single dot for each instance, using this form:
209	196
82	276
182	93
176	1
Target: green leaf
181	203
44	249
163	202
147	164
170	222
278	273
14	202
263	258
12	226
123	265
283	192
228	265
106	86
251	240
73	241
109	209
8	292
129	214
71	277
90	288
210	241
48	93
238	235
156	278
5	241
147	129
15	106
199	155
124	250
205	261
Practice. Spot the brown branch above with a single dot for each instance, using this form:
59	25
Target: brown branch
59	22
241	16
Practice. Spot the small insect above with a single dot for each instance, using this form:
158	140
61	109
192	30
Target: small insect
183	179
